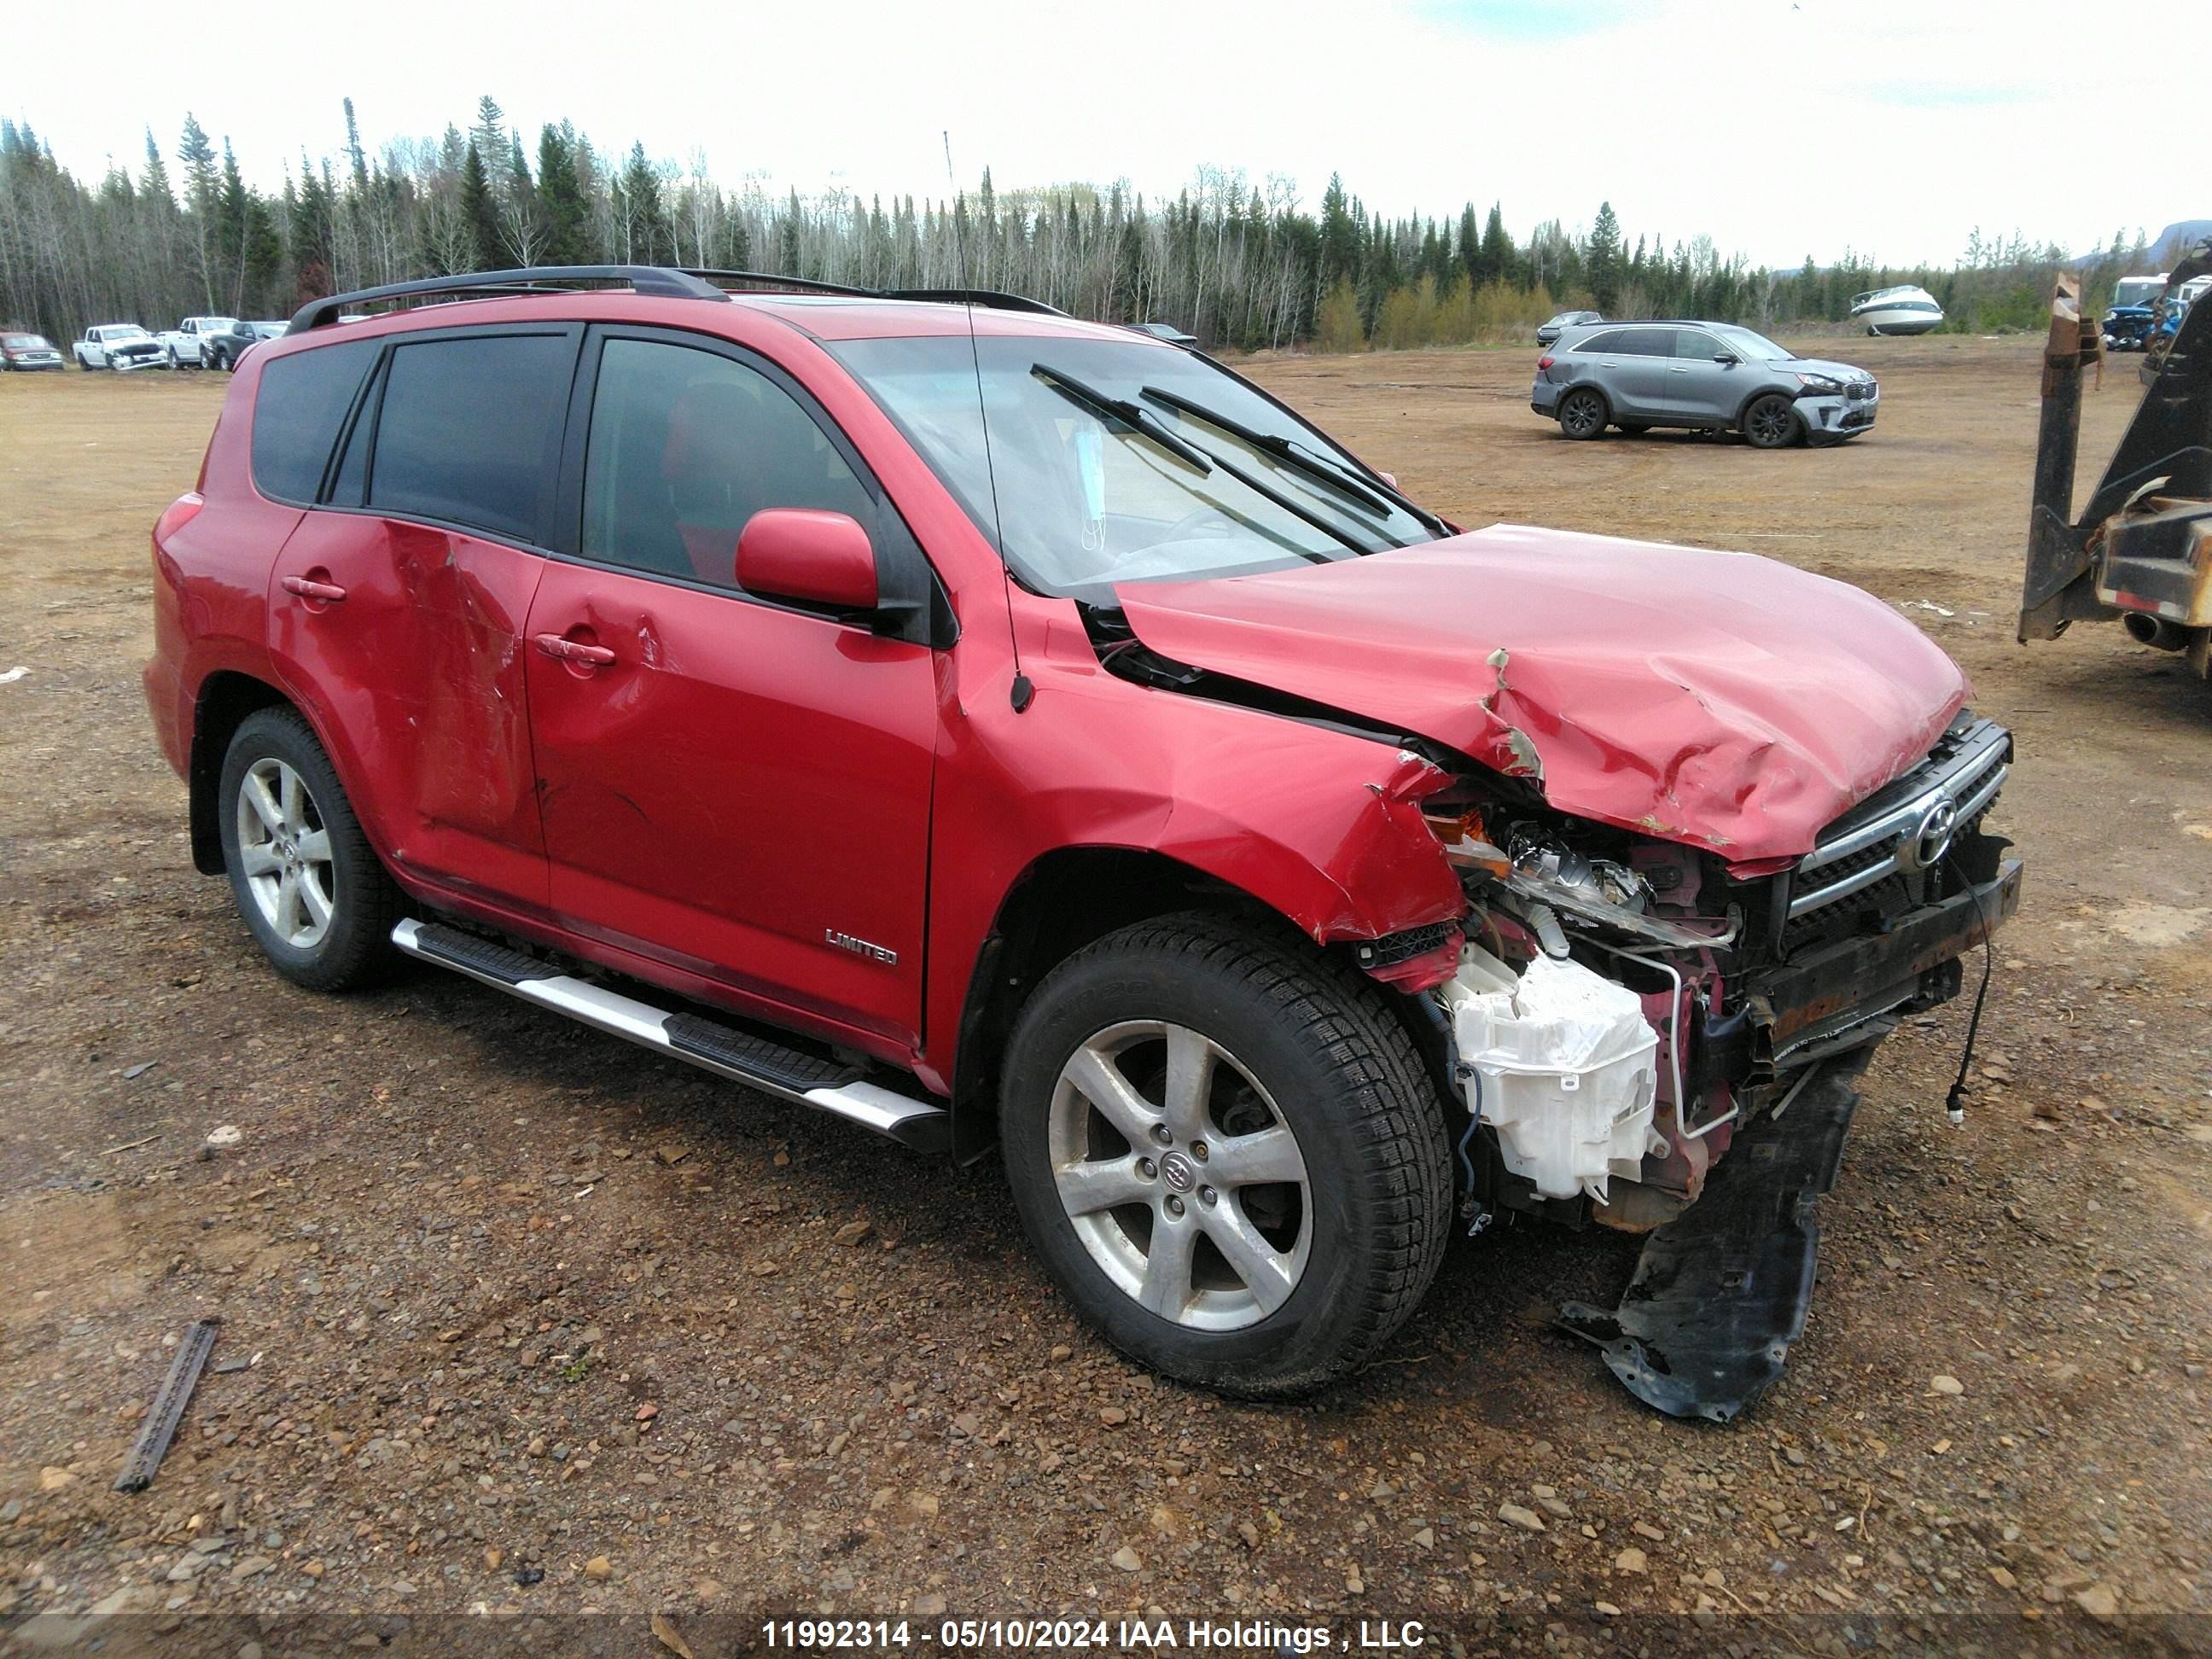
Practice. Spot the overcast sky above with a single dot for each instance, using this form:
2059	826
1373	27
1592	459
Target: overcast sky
1779	128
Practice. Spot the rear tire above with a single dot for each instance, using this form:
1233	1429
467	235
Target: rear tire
1583	414
310	887
1769	421
1263	1228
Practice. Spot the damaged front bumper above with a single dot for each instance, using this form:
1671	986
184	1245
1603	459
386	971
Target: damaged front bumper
1822	997
1649	1039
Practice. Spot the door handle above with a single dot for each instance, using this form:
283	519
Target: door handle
326	592
553	645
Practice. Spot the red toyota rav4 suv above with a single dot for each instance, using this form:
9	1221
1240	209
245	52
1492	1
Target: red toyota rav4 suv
994	727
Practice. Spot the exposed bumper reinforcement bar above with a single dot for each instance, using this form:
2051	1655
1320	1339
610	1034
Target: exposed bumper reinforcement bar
1706	1323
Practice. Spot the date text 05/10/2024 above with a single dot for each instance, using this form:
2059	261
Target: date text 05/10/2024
1064	1634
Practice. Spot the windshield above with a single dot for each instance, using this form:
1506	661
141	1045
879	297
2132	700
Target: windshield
270	330
1112	462
2136	291
1755	346
126	331
25	342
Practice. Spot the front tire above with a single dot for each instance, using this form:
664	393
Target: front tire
1227	1153
309	885
1770	422
1582	415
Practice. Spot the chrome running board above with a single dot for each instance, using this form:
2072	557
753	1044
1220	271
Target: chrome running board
756	1061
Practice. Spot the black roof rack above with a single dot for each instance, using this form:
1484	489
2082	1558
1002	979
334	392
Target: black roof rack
769	279
532	279
660	281
974	296
980	296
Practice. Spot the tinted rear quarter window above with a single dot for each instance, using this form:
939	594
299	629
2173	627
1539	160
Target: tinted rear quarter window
301	402
468	432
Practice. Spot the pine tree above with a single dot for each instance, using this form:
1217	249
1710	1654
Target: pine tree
314	236
480	209
490	133
355	157
1498	254
234	232
202	187
521	219
1339	236
642	215
567	215
157	174
1601	259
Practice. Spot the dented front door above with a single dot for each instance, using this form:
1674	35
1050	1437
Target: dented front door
735	789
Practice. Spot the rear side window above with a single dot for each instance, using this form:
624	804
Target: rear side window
301	403
685	448
1632	343
469	431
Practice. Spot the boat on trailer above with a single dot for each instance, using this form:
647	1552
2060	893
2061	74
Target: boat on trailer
1904	310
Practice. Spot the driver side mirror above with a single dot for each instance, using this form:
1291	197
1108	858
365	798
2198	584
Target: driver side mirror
815	557
1726	359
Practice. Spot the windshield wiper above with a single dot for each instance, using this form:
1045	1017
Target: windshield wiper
1132	415
1136	416
1371	493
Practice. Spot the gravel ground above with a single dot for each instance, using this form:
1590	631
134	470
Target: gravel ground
536	1324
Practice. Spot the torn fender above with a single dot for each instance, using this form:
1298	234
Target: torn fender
1716	699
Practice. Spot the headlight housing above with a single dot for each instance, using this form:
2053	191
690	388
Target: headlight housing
1821	385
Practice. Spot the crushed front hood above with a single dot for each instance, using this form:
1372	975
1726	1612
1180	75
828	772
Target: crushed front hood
1718	699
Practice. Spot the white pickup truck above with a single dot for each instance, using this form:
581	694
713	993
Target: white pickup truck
187	341
120	346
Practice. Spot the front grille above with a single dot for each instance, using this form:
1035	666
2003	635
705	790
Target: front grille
1892	833
1858	392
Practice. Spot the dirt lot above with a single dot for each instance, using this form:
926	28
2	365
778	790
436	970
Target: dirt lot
539	1324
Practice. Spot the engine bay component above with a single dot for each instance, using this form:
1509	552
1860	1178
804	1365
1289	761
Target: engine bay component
1560	1061
1538	870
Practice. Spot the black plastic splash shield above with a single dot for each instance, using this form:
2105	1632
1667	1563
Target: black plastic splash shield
1706	1323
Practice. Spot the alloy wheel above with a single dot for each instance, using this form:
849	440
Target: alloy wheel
284	852
1183	1181
1583	413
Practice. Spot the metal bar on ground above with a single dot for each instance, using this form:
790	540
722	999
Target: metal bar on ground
168	1409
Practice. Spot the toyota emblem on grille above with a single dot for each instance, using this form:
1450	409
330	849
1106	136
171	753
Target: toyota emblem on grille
1923	847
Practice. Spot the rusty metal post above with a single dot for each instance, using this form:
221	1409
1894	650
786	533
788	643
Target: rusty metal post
2058	439
2056	557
